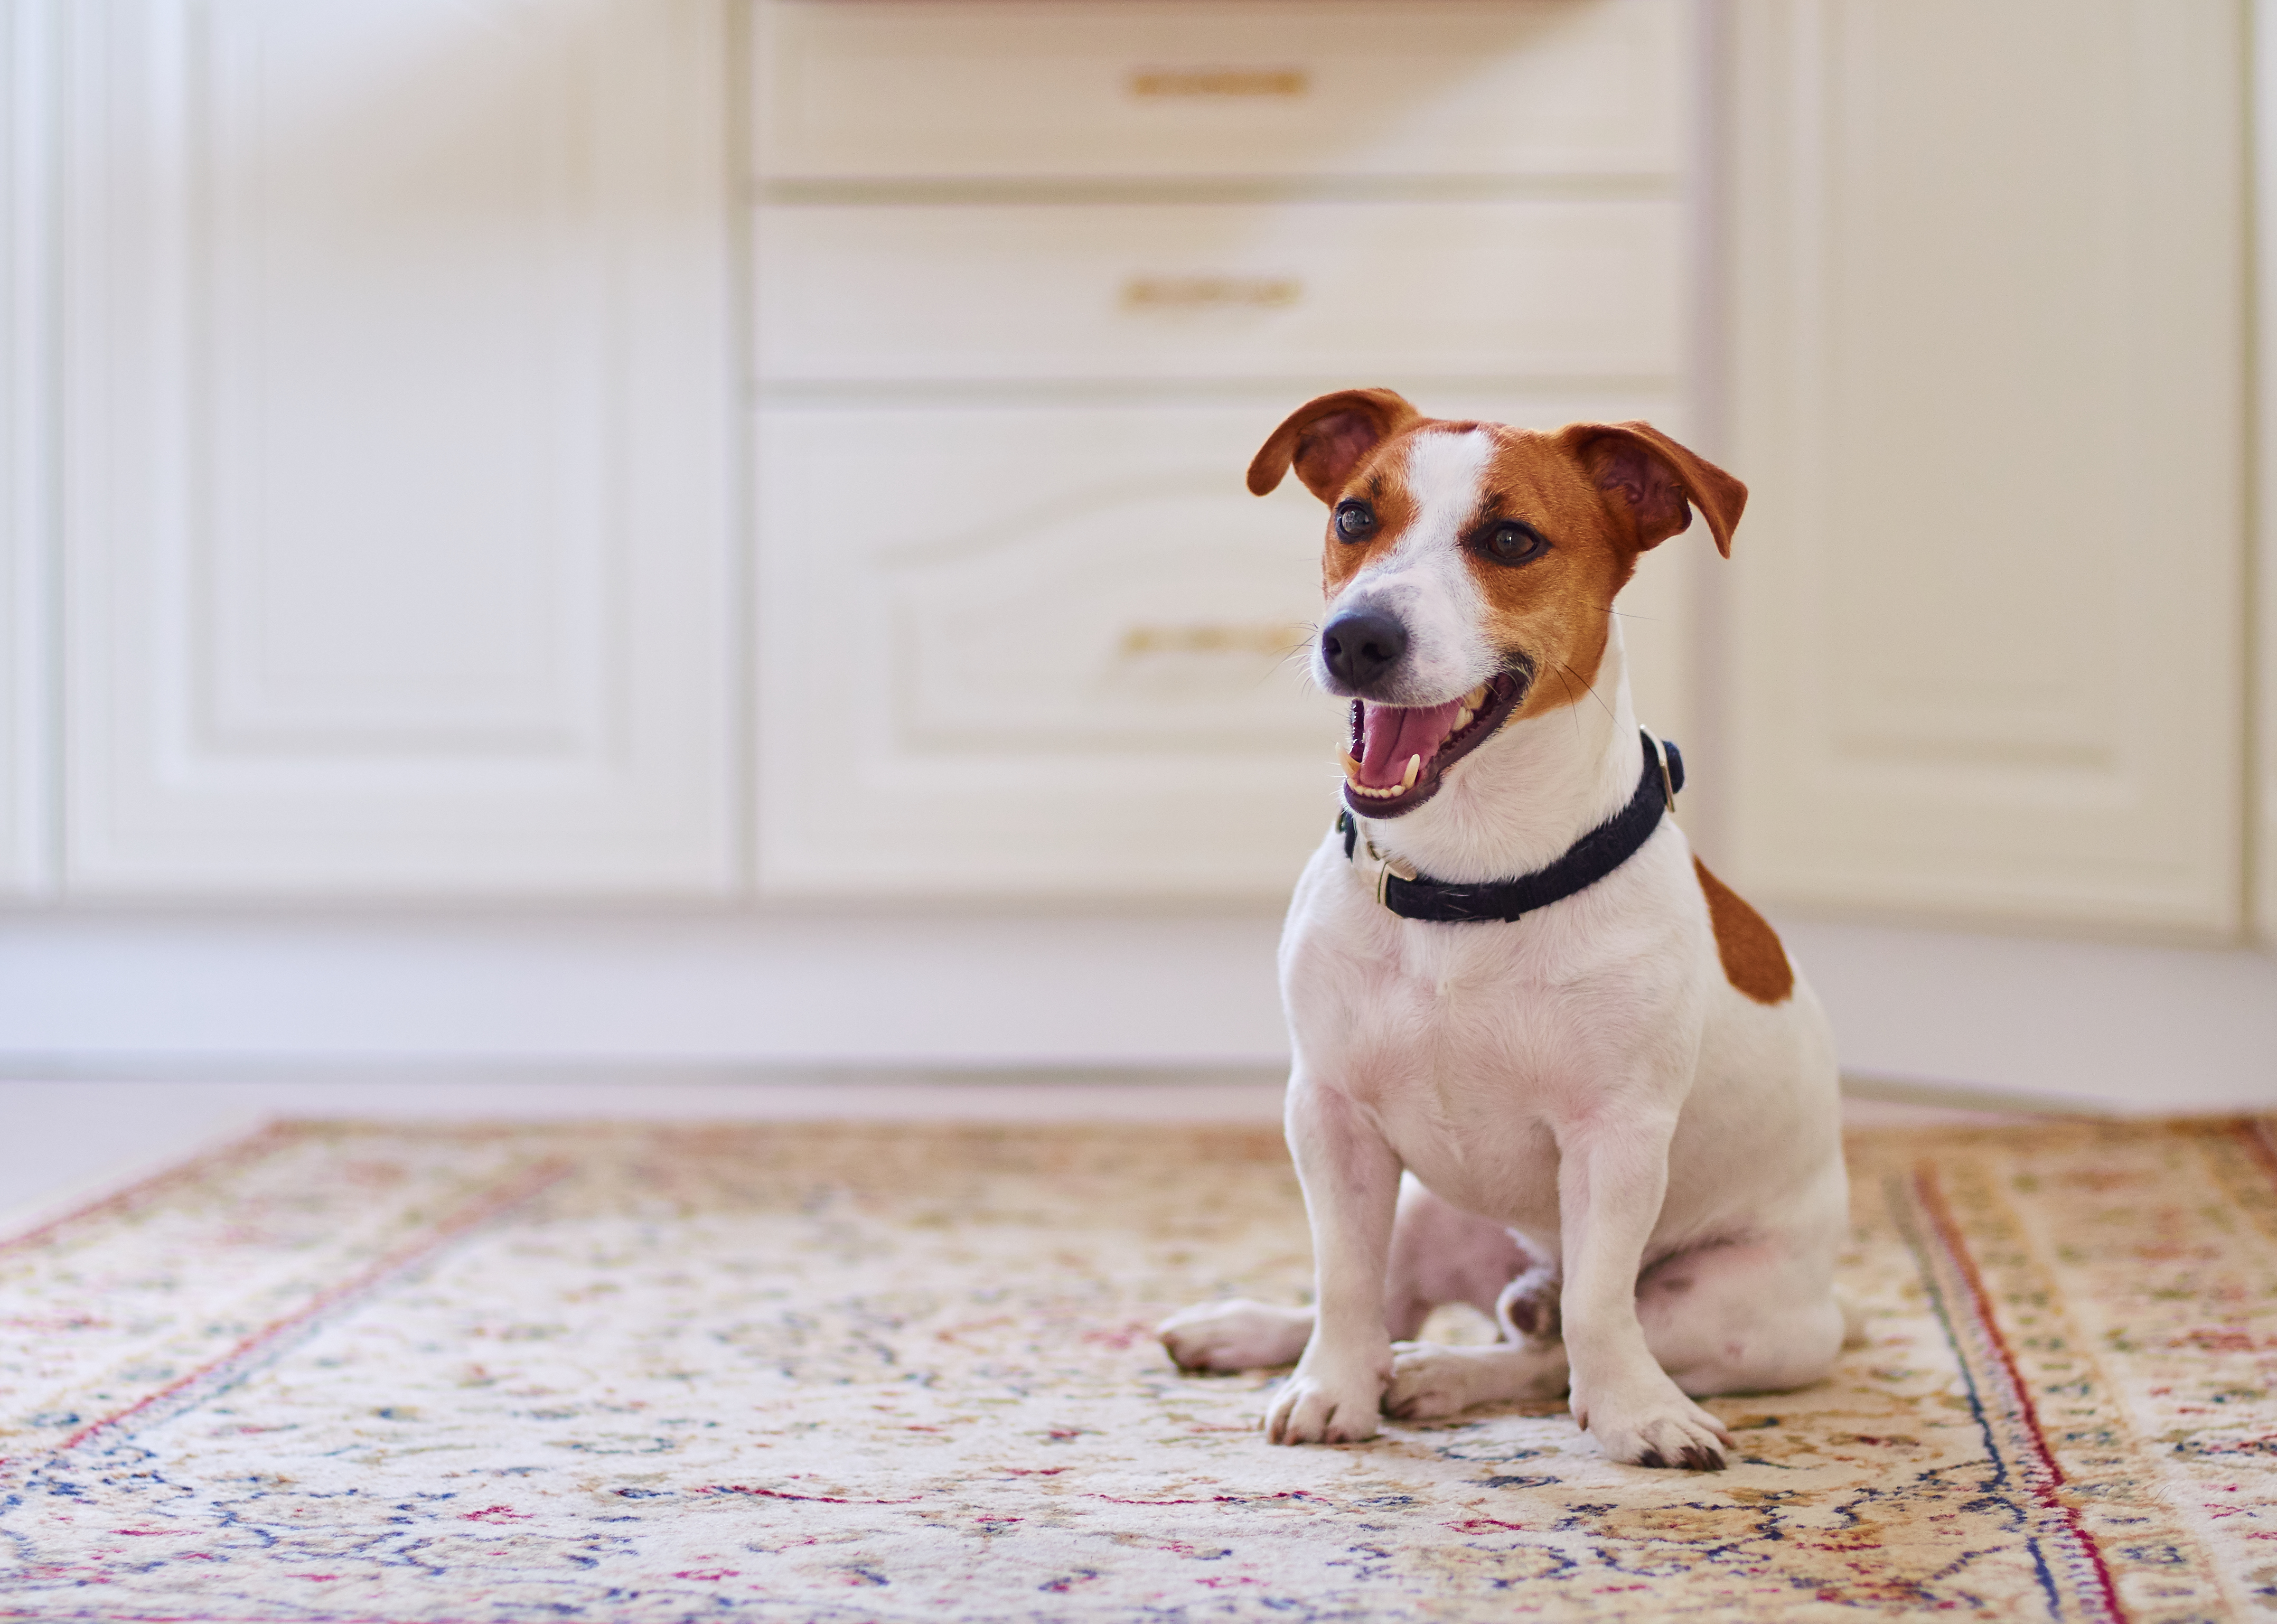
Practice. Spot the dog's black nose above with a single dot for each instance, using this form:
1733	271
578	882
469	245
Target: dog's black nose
1361	646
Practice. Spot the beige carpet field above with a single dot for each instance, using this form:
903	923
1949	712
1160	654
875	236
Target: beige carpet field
347	1372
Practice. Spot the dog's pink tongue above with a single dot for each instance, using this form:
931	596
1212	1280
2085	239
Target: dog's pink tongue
1390	733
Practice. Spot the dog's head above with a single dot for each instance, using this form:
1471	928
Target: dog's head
1471	567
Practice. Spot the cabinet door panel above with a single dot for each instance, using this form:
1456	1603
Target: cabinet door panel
854	88
398	424
2262	639
26	443
1990	398
1017	651
1536	289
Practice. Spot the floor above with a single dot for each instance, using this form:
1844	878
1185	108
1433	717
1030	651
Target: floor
67	1141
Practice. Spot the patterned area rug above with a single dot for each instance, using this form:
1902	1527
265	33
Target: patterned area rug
353	1372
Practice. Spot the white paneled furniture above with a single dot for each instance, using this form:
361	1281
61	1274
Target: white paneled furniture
2262	797
1033	281
1041	647
26	445
1413	91
1207	291
1991	346
396	492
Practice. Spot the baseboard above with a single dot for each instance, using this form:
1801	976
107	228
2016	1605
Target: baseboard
1984	1022
2087	1026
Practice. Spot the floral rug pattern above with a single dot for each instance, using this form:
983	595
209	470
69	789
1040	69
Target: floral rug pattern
351	1373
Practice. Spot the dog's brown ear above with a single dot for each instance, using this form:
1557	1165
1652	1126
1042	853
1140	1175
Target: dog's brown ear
1324	439
1657	481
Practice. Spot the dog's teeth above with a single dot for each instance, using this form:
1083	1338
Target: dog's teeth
1352	769
1476	699
1414	767
1463	717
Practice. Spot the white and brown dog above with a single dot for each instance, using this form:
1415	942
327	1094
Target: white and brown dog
1545	1062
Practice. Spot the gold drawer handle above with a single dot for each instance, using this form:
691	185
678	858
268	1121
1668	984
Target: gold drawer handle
1211	293
1275	640
1215	83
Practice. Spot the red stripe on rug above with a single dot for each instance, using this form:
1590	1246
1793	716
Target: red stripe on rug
2259	1135
262	1141
2050	1475
489	1205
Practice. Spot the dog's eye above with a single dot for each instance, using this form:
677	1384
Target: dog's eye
1510	543
1355	521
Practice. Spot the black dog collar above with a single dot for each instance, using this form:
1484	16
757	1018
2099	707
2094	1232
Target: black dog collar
1586	861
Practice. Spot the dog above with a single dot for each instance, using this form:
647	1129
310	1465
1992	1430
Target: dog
1544	1063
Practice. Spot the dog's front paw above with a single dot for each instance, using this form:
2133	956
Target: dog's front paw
1658	1425
1234	1335
1327	1404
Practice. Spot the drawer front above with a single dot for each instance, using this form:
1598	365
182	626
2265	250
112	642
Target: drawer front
879	89
1346	290
1046	652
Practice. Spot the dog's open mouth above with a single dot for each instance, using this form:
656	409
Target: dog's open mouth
1400	753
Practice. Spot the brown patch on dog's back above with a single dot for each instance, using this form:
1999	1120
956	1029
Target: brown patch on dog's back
1753	961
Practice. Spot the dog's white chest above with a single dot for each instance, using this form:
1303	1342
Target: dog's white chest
1472	1045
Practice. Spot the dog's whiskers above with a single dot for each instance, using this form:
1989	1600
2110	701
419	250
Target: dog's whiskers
1592	687
1570	709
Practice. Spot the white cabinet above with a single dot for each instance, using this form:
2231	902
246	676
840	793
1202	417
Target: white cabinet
1439	90
370	461
1209	291
26	443
1033	284
2263	796
1991	349
1043	650
397	403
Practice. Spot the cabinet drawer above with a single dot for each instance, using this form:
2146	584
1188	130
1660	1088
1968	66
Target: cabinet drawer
1046	652
861	88
1343	290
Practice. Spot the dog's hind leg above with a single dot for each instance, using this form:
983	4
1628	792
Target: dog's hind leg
1428	1380
1438	1254
1441	1254
1760	1315
1236	1334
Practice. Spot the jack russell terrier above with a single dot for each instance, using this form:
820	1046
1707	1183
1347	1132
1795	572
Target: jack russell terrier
1545	1061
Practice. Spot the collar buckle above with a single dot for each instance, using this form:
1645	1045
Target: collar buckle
1386	866
1667	779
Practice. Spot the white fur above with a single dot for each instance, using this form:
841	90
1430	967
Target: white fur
1586	1079
1425	581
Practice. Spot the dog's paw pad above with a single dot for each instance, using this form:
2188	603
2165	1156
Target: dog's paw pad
1665	1430
1323	1410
